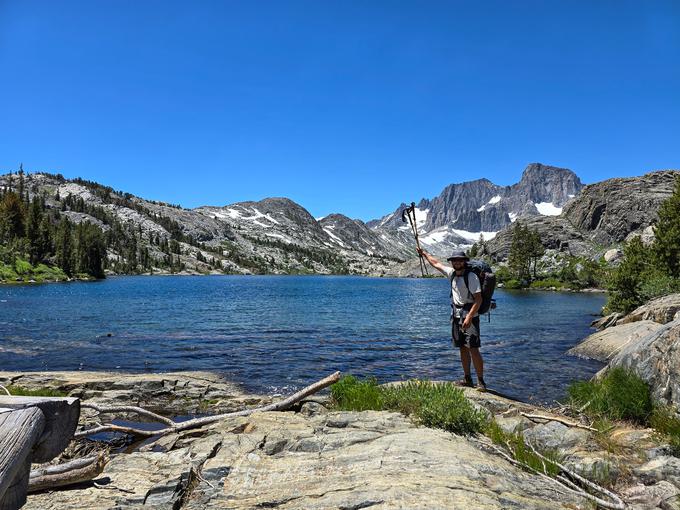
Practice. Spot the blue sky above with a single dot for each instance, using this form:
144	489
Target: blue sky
344	106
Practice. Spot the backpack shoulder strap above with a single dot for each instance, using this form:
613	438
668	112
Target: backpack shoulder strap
466	275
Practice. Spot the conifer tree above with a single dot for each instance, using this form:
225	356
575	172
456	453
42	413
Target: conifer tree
625	281
64	246
12	220
666	245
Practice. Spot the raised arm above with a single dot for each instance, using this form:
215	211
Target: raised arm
433	261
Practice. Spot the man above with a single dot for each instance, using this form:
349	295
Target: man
466	301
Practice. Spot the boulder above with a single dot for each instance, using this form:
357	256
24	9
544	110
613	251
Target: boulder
606	321
612	255
656	359
662	310
604	344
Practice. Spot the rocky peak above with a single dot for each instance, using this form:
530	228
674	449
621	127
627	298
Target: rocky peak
544	184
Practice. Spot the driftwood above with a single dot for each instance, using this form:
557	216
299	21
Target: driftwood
76	471
19	432
61	419
562	481
32	429
564	421
207	420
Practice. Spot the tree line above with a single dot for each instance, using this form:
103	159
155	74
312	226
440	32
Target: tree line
30	230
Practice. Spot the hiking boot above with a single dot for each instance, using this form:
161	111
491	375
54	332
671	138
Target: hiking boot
481	385
466	381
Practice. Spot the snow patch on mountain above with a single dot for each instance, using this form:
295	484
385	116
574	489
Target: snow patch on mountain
473	236
548	209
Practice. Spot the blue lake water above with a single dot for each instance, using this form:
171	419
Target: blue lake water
278	333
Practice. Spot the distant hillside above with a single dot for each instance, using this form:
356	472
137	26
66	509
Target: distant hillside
278	236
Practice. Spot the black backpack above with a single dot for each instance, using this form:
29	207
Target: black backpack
487	281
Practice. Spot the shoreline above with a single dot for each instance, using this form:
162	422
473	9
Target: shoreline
316	456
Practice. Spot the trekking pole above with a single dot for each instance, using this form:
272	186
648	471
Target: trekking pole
415	233
408	212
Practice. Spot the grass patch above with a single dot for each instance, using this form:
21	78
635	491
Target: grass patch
666	422
547	283
19	391
622	395
619	395
434	405
515	444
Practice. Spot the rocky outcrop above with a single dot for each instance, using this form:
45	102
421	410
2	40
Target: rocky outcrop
662	310
656	359
605	344
610	210
314	457
600	216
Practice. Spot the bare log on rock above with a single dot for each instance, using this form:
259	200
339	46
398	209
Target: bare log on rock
20	430
69	473
61	419
207	420
127	409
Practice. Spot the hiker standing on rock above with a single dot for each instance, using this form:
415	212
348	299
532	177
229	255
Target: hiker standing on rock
466	299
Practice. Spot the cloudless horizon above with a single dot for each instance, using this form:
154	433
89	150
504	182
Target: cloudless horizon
349	107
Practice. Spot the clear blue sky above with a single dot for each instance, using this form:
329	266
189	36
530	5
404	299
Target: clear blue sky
342	106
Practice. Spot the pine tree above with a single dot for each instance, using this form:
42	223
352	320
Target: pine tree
624	284
20	189
90	250
12	217
519	260
33	222
666	245
64	246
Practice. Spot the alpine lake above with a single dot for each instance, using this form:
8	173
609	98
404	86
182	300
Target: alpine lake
275	334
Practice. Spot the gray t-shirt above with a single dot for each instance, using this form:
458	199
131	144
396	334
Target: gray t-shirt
459	293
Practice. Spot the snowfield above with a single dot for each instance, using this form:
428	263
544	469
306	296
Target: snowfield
548	209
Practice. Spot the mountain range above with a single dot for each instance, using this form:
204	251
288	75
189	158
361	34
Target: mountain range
277	235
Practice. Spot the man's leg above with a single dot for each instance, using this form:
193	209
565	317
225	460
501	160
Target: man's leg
465	360
477	361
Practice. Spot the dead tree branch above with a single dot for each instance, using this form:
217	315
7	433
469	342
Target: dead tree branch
207	420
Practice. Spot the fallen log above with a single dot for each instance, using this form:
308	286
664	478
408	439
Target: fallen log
32	429
20	430
564	421
68	473
61	419
207	420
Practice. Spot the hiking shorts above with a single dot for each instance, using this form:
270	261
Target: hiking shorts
468	338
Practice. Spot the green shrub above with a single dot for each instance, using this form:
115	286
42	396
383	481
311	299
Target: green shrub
22	267
440	406
513	284
619	395
434	405
547	283
351	394
7	272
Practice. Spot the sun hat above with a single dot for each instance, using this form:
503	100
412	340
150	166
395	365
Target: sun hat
458	255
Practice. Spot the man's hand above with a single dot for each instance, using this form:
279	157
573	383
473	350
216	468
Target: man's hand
467	322
421	252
